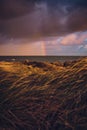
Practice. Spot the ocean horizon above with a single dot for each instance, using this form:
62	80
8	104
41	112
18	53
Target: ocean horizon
40	58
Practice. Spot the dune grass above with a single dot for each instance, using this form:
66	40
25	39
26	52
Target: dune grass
43	95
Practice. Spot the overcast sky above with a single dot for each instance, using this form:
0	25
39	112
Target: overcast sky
43	27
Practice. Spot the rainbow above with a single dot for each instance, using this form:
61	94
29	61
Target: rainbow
43	48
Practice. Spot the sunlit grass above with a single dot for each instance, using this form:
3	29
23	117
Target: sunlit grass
43	95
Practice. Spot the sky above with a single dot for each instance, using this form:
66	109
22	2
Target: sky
43	27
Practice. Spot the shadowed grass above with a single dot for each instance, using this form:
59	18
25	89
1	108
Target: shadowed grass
43	96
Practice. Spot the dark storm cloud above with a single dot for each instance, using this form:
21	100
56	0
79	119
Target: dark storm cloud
14	8
42	18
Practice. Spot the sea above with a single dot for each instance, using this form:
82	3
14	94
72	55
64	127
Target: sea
40	58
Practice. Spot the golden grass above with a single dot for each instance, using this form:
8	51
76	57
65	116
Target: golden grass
43	96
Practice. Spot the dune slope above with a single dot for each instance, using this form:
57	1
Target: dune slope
43	96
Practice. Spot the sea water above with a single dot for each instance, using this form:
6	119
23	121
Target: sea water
40	58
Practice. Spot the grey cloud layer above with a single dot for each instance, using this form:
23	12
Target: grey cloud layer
14	8
36	19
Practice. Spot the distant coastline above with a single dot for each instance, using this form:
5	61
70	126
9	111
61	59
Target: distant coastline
40	58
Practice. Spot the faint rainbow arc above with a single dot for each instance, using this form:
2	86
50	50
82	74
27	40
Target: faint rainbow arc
43	48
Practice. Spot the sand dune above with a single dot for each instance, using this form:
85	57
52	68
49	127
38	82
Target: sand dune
43	96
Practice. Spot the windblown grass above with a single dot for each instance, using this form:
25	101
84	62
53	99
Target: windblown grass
43	96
